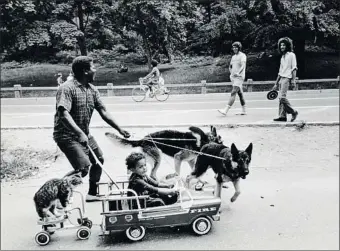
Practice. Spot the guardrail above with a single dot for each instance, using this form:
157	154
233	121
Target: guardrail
248	86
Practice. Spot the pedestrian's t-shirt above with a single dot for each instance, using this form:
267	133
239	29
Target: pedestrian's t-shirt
287	65
236	63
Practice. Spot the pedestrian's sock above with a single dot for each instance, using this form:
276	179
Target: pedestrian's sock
227	109
244	109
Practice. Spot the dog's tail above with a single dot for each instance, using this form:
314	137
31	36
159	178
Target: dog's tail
201	137
116	139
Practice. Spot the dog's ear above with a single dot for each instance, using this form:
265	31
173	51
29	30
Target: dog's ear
249	149
234	150
213	130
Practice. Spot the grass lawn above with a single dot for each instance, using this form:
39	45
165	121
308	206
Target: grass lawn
191	70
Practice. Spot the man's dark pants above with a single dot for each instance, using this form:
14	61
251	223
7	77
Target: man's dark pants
82	161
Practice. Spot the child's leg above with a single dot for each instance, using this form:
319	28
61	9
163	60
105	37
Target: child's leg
154	202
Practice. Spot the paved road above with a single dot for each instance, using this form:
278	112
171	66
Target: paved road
289	201
313	106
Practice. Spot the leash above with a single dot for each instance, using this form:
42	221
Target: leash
189	150
101	166
169	139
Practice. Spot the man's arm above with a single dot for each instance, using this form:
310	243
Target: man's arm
294	67
243	65
276	82
68	121
107	117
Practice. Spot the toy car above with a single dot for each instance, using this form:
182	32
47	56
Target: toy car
83	225
121	214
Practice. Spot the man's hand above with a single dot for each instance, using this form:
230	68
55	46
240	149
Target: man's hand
126	134
83	139
275	87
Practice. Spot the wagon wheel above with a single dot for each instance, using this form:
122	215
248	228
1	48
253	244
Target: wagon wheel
42	238
201	226
87	223
135	233
83	233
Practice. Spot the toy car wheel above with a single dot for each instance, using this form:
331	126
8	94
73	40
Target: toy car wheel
42	238
201	226
87	223
83	233
135	233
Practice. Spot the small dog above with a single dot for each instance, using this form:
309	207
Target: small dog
172	143
233	166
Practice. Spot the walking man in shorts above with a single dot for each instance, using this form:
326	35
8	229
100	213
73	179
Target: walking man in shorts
237	70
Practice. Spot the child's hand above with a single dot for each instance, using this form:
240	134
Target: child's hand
173	192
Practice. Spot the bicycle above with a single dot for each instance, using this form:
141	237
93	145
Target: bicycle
139	93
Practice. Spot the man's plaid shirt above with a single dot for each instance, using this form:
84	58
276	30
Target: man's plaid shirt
79	101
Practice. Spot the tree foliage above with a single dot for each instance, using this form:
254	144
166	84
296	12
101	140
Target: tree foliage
41	29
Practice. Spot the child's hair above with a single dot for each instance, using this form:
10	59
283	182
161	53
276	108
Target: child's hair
132	159
154	63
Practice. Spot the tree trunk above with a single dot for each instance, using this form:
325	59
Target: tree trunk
81	40
147	51
300	57
168	48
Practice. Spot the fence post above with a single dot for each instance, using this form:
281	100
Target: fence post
204	86
338	81
249	85
110	90
17	91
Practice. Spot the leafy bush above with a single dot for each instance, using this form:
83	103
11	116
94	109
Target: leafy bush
136	58
65	57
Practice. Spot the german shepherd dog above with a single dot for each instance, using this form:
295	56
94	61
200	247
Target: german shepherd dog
173	143
231	165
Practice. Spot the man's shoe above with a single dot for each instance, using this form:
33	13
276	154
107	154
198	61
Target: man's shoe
92	198
280	119
244	112
222	112
294	115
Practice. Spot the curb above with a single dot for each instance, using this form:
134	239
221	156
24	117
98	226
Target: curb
218	125
291	93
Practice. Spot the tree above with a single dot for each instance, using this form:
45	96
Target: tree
301	20
160	24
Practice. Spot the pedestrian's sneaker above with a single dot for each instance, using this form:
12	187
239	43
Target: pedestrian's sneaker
222	111
294	115
244	112
92	198
280	119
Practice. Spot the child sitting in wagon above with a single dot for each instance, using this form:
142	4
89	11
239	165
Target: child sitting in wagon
160	194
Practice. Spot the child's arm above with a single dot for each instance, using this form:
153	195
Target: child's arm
152	187
159	184
151	73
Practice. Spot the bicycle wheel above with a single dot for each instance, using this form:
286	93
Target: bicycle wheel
161	94
138	94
